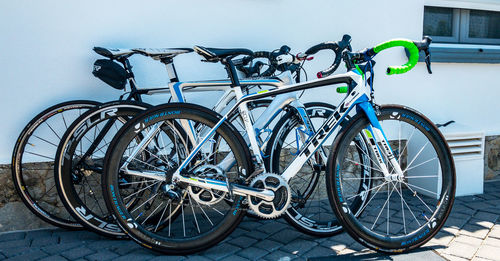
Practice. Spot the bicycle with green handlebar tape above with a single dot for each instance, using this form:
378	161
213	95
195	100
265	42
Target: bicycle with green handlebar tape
413	175
399	150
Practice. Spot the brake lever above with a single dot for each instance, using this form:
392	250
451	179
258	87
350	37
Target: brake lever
428	60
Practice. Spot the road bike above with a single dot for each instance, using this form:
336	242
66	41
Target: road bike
79	158
198	201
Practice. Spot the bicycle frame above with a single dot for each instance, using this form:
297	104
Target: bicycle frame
359	97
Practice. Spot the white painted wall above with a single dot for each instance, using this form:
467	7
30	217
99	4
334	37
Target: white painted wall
46	51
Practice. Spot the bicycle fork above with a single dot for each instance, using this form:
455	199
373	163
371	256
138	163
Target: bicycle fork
375	136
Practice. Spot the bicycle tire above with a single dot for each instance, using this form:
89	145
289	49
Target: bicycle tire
76	177
50	213
395	237
131	224
313	219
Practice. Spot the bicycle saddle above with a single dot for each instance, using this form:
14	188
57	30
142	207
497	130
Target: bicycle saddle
213	54
160	53
113	53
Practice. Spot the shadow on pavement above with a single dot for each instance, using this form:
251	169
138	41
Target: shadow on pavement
423	253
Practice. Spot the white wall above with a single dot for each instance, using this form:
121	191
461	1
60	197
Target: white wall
46	51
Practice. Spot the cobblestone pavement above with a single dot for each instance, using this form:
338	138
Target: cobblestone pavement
471	232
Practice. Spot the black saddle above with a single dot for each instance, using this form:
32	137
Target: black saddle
114	53
215	54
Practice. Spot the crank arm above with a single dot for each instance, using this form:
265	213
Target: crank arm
240	190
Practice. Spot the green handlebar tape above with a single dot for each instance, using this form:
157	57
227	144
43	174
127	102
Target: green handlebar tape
342	89
412	60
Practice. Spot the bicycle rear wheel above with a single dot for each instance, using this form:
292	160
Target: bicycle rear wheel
80	160
400	214
33	161
310	210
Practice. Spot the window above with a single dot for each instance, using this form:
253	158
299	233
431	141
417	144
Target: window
453	25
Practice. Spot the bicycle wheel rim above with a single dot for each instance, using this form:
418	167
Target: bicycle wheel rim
22	187
390	236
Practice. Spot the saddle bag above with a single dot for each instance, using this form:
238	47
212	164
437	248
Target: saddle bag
111	73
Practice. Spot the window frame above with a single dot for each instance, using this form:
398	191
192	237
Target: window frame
455	27
464	30
460	29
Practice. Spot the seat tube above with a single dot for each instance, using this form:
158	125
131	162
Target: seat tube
244	113
375	135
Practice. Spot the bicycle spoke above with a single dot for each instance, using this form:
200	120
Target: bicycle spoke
388	195
51	143
418	165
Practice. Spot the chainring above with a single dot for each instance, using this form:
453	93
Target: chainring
282	196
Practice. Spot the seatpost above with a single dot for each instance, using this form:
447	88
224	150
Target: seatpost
172	73
231	71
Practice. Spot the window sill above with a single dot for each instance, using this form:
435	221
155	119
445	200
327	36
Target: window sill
463	53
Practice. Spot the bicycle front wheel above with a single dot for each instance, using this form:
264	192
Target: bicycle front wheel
400	214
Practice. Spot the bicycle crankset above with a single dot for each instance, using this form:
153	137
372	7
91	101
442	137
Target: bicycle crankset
282	195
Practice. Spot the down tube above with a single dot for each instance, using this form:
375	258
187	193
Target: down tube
323	133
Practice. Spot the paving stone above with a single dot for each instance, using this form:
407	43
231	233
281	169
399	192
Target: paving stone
268	245
168	258
249	225
451	230
14	251
474	231
453	258
258	235
272	228
480	259
357	247
456	222
103	244
57	248
72	236
137	255
252	253
197	258
285	236
333	245
12	236
239	232
125	247
242	241
489	252
279	255
493	210
221	251
77	252
298	247
39	233
319	251
29	256
102	255
479	205
460	250
54	258
492	242
44	241
14	243
495	231
235	258
468	240
489	197
482	223
481	215
343	238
